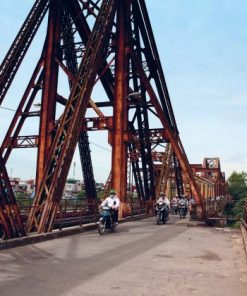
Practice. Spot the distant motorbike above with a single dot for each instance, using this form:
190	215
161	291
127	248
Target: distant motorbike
162	213
107	220
182	210
174	209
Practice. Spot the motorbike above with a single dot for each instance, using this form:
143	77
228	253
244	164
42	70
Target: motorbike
174	209
182	210
162	213
106	221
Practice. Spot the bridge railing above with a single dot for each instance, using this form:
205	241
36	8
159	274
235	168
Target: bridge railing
214	208
245	215
74	211
77	212
135	207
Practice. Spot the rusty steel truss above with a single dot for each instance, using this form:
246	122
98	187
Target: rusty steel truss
210	169
110	43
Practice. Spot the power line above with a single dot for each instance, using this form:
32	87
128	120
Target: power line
6	108
104	148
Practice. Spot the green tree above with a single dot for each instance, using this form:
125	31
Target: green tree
238	185
20	195
238	191
82	195
101	195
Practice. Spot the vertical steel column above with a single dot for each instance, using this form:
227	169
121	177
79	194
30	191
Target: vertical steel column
178	176
138	40
136	168
48	105
83	143
120	116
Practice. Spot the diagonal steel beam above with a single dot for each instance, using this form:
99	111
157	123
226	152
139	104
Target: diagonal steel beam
17	51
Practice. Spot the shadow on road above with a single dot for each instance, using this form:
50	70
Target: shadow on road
78	258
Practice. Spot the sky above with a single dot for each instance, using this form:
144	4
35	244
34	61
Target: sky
203	50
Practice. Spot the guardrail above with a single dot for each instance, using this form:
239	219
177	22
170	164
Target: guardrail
83	212
75	211
245	215
214	208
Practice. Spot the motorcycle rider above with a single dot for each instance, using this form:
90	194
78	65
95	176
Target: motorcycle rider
192	207
174	204
183	203
112	202
163	199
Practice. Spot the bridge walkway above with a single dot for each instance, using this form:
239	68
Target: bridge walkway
140	259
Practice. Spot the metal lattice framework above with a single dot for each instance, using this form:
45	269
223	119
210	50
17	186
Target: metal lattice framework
105	42
9	212
165	170
210	169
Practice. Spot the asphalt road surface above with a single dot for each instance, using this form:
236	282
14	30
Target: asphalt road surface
141	258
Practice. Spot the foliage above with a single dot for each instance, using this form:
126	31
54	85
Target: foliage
71	181
238	192
238	185
82	194
101	195
20	195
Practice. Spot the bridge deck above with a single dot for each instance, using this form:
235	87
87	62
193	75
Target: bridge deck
141	258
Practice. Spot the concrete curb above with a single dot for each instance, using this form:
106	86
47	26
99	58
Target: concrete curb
244	235
36	238
195	223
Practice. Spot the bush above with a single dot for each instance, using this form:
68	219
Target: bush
20	195
238	190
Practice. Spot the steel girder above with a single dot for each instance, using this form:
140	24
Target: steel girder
49	91
178	176
165	170
70	58
9	213
15	55
210	169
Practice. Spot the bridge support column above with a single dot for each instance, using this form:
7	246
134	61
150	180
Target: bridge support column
196	212
120	114
48	102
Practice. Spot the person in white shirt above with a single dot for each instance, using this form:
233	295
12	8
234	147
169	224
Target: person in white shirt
175	200
183	202
112	202
164	200
174	204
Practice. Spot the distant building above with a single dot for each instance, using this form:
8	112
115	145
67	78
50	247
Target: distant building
14	182
19	185
72	187
30	186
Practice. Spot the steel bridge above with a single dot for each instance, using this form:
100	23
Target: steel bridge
107	44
